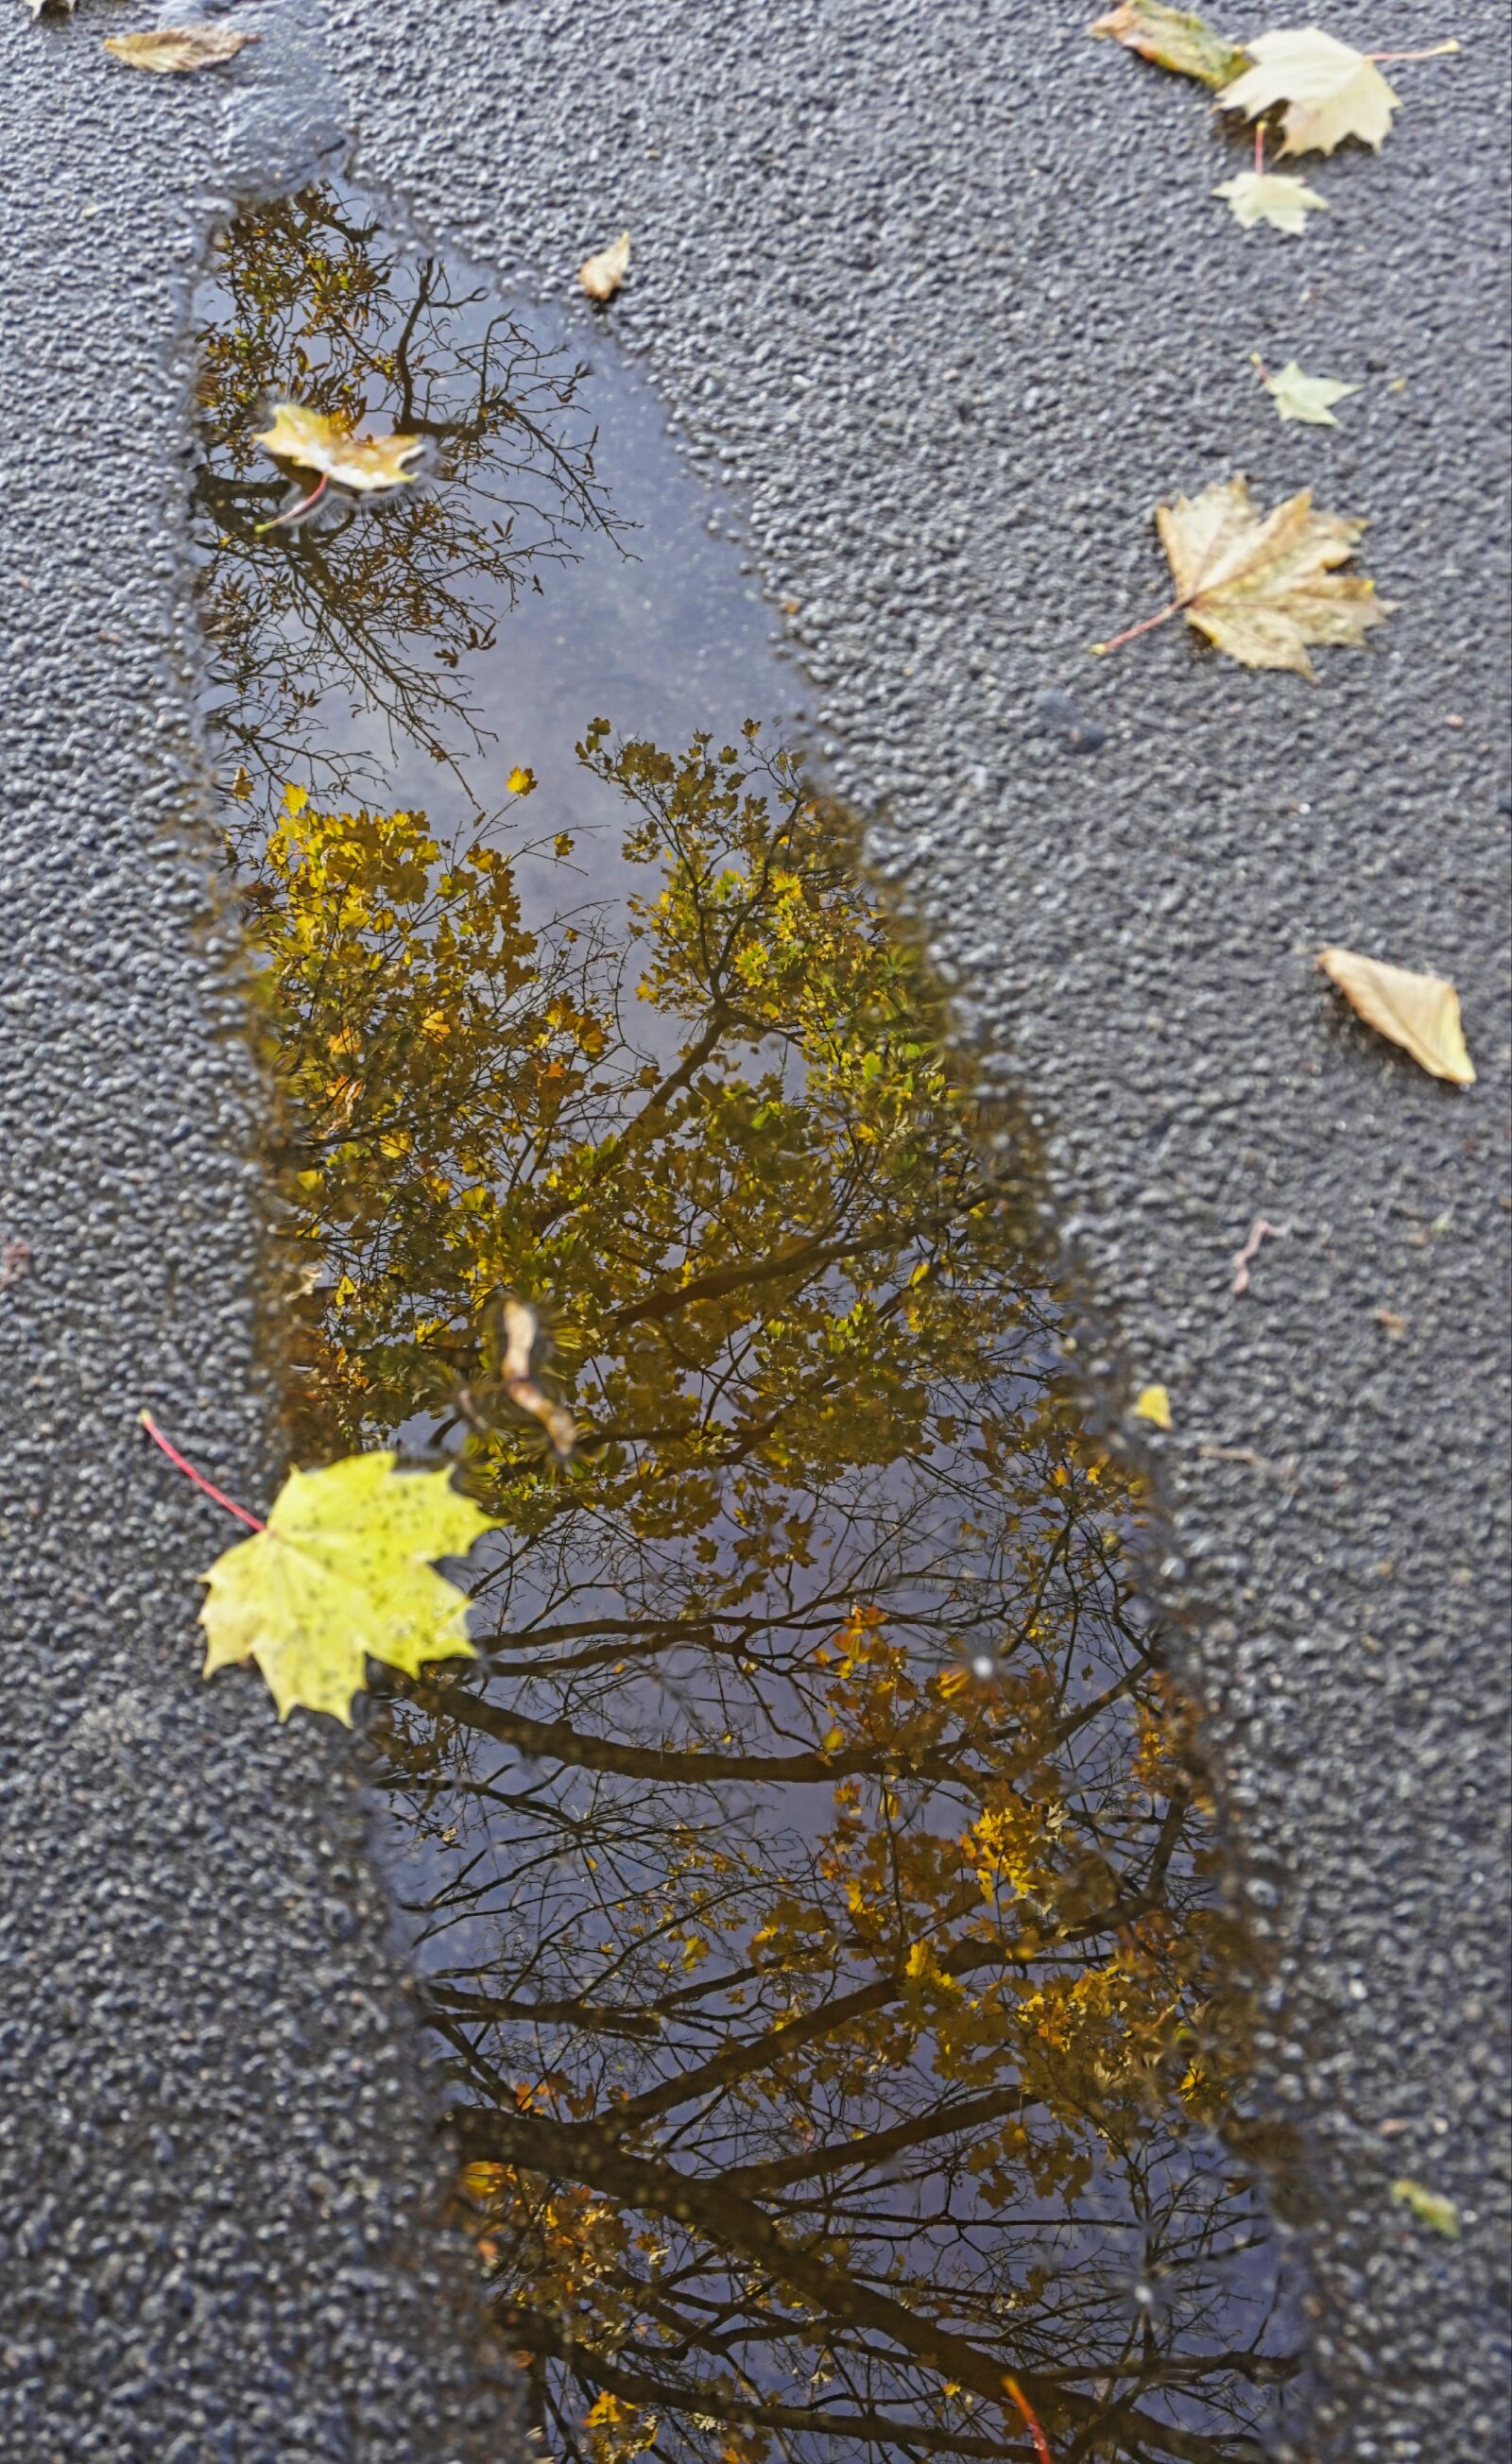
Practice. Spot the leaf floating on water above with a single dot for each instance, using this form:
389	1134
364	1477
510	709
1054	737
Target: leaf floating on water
1175	39
1262	586
1279	198
343	1571
1430	2207
1330	90
312	442
524	1344
1152	1403
171	50
1421	1013
602	274
1299	396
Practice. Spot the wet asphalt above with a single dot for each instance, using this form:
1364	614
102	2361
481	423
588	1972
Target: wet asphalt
939	292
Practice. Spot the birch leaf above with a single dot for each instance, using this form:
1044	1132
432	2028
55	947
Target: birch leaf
343	1570
312	442
1175	39
1330	90
1262	587
1297	396
170	50
1421	1013
1279	198
602	274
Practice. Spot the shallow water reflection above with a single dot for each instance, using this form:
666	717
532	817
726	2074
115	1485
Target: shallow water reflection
811	1888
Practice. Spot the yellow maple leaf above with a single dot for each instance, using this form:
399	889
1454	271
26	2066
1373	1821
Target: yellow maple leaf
1421	1013
341	1570
1330	90
521	781
1152	1403
312	442
171	50
1262	586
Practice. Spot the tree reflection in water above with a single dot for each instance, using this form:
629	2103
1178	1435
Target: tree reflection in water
812	1889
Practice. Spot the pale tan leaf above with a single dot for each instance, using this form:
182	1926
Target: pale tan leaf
1421	1013
1330	90
1274	197
312	442
1262	588
171	50
1300	396
602	274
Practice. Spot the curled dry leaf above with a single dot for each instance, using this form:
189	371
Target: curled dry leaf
1330	90
171	50
1421	1013
1262	586
1152	1403
1279	198
1299	396
1175	39
312	442
602	274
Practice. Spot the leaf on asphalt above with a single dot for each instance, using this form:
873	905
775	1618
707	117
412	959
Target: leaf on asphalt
1262	587
1430	2207
1297	396
171	50
312	442
1421	1013
1175	39
1152	1403
1279	198
1330	90
343	1570
602	274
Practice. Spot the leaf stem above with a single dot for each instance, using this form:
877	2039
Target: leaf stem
292	512
1030	2421
197	1477
1259	147
1260	368
1099	649
1435	52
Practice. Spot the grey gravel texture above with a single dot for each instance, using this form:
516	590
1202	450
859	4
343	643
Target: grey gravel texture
940	291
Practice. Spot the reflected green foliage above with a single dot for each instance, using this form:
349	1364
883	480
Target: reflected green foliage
811	1887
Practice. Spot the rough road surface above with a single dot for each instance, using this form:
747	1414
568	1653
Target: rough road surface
942	289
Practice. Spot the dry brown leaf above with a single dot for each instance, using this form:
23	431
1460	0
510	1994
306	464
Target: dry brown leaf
602	274
1262	586
1421	1013
170	50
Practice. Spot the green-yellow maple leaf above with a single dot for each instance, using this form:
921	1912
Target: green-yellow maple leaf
1299	396
1274	197
1330	90
342	1571
1175	39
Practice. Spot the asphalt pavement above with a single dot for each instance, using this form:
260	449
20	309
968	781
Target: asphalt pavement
940	293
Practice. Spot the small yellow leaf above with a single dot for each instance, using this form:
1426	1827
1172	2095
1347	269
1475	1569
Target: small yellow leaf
312	442
1430	2207
1421	1013
1152	1403
834	1740
242	783
602	274
1300	396
520	782
1274	197
170	50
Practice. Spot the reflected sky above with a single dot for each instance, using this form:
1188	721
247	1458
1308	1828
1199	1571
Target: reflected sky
814	1898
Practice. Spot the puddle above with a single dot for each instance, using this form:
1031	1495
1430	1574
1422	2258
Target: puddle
815	1908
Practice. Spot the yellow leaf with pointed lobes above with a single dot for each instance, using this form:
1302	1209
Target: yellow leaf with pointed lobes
312	442
1263	587
1330	90
1421	1013
521	781
1274	197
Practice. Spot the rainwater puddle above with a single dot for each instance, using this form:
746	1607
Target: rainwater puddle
815	1906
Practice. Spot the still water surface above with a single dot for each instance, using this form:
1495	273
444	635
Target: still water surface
811	1893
